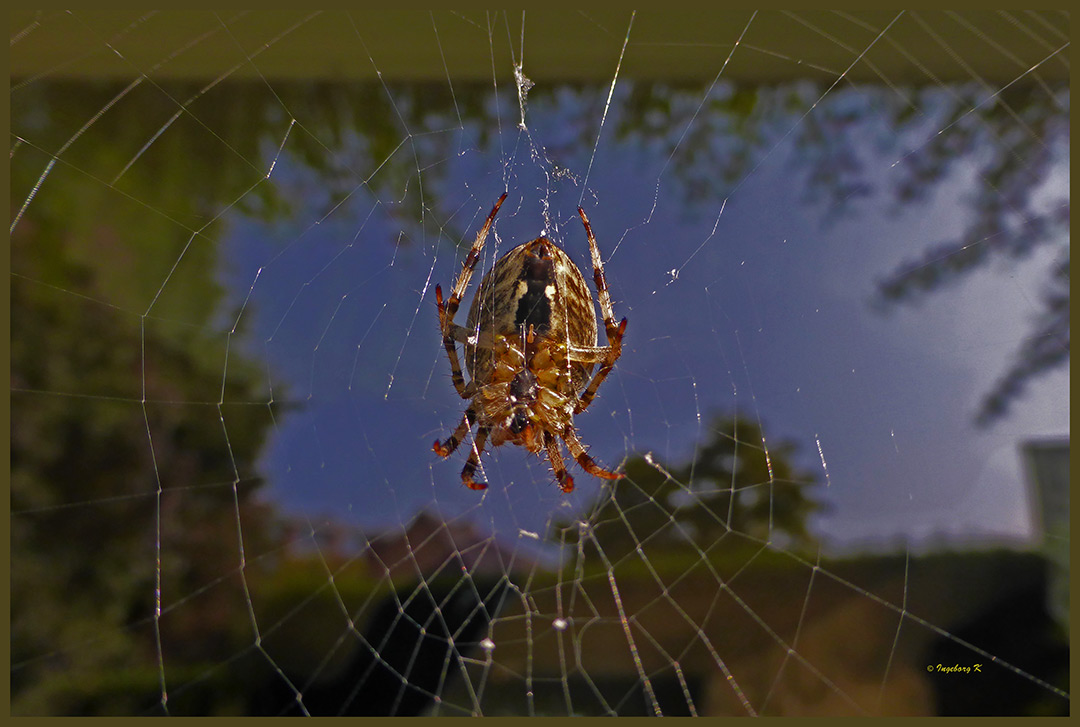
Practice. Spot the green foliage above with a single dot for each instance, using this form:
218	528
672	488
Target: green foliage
108	408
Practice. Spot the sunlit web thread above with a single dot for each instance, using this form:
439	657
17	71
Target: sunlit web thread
364	182
446	70
930	261
1033	36
66	145
915	62
420	187
164	701
940	41
899	626
306	285
787	133
798	632
236	480
55	157
693	117
821	454
72	61
253	619
1000	49
982	103
183	107
724	587
607	105
157	589
28	29
626	623
313	536
495	85
613	584
523	84
927	624
171	607
587	530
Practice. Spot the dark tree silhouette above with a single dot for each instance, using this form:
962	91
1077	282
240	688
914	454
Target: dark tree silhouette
725	493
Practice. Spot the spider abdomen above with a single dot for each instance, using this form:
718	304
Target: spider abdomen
533	285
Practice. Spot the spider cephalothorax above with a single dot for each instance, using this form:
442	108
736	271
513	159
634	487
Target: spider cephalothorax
530	348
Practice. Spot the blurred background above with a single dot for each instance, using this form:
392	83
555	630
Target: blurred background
841	241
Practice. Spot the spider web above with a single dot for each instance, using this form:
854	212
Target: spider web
841	242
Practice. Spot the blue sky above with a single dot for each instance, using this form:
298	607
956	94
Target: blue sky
750	303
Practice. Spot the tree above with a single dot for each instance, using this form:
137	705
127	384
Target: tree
733	490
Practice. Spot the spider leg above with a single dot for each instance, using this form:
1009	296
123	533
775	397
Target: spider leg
588	354
445	449
461	334
566	482
577	451
450	330
614	332
607	363
474	461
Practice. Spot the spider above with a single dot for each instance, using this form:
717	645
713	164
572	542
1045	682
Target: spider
530	347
